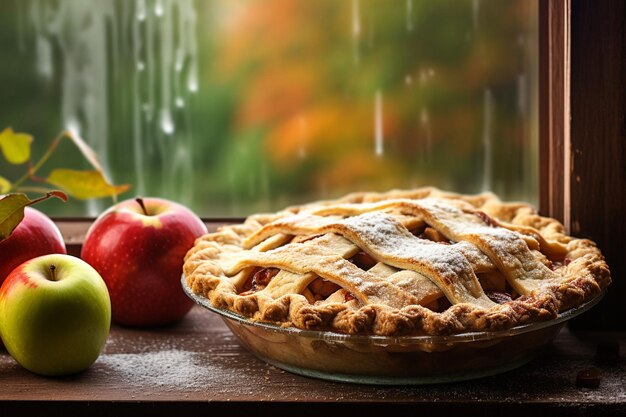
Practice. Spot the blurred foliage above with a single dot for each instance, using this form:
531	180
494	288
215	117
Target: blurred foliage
286	109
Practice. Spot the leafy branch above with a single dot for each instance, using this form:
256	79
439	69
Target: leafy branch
81	184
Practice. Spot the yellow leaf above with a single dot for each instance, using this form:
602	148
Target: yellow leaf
84	184
5	185
11	213
15	146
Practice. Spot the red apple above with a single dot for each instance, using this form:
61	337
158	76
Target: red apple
36	235
138	247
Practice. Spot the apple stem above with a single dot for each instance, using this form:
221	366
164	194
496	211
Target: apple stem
139	201
53	273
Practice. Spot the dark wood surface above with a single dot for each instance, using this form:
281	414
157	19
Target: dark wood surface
197	366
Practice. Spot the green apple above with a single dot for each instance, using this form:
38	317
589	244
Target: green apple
55	314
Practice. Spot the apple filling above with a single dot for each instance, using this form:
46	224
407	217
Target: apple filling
496	287
259	279
363	261
424	231
319	290
439	305
555	265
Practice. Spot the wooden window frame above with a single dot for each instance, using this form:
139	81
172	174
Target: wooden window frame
583	133
554	111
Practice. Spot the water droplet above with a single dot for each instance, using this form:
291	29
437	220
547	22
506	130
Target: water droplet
426	74
147	109
424	118
475	11
522	94
45	66
73	126
378	124
180	57
487	139
409	15
141	10
167	124
192	82
427	134
158	8
356	19
302	127
356	29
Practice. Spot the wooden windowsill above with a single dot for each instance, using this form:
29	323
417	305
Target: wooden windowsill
74	230
198	367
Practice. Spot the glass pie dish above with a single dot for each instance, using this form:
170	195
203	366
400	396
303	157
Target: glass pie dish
397	360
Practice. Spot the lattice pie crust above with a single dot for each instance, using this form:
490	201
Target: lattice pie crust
403	262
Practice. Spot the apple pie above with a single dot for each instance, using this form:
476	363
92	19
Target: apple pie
413	262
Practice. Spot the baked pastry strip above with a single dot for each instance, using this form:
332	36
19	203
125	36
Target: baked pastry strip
506	249
320	256
388	241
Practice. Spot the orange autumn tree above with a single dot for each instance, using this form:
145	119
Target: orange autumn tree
309	85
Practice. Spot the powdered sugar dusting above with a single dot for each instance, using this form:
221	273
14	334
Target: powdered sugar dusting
506	248
220	369
443	264
169	368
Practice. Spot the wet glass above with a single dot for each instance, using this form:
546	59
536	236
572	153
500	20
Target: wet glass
238	106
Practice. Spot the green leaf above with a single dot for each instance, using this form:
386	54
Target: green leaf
5	185
12	210
84	184
15	146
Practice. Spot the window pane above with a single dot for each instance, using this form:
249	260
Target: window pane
238	106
